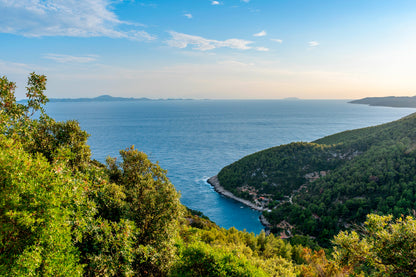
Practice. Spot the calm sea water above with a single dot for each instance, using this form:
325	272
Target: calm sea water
194	139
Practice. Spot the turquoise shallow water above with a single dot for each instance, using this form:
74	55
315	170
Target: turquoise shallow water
194	139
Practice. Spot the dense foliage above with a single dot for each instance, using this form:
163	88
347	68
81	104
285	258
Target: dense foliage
278	170
36	213
382	247
63	214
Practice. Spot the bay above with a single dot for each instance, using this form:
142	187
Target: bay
194	139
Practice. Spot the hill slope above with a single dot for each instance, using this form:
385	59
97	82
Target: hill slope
325	186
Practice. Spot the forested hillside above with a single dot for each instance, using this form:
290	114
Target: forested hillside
323	187
64	214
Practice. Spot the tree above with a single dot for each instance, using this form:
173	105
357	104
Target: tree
54	139
152	203
384	247
36	215
200	259
318	265
44	135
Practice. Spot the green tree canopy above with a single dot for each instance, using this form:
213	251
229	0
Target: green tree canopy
383	247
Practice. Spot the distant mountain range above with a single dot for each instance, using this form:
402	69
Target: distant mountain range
389	101
101	98
106	98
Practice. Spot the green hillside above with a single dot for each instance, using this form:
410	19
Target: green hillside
323	187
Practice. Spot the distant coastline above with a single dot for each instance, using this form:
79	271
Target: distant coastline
108	98
389	101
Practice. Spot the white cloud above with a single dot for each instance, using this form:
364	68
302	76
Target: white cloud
188	15
260	34
61	58
262	49
313	43
246	1
215	3
87	18
181	40
276	40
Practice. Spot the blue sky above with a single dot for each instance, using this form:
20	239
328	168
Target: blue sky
248	49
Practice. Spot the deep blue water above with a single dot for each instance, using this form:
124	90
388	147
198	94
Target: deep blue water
194	139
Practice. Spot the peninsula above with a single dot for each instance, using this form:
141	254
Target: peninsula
322	187
389	101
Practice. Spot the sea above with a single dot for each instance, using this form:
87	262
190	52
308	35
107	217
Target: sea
194	139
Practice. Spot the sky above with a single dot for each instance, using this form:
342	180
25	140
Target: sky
206	49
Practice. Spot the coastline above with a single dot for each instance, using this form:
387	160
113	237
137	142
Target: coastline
213	181
265	223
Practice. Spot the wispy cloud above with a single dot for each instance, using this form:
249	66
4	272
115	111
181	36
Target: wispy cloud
139	36
254	10
276	40
313	43
61	58
180	40
215	3
260	34
262	49
246	1
153	5
87	18
188	15
15	68
18	72
235	63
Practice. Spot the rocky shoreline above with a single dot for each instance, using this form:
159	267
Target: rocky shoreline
213	181
264	222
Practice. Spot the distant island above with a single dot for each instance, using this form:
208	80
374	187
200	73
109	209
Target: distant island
107	98
389	101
